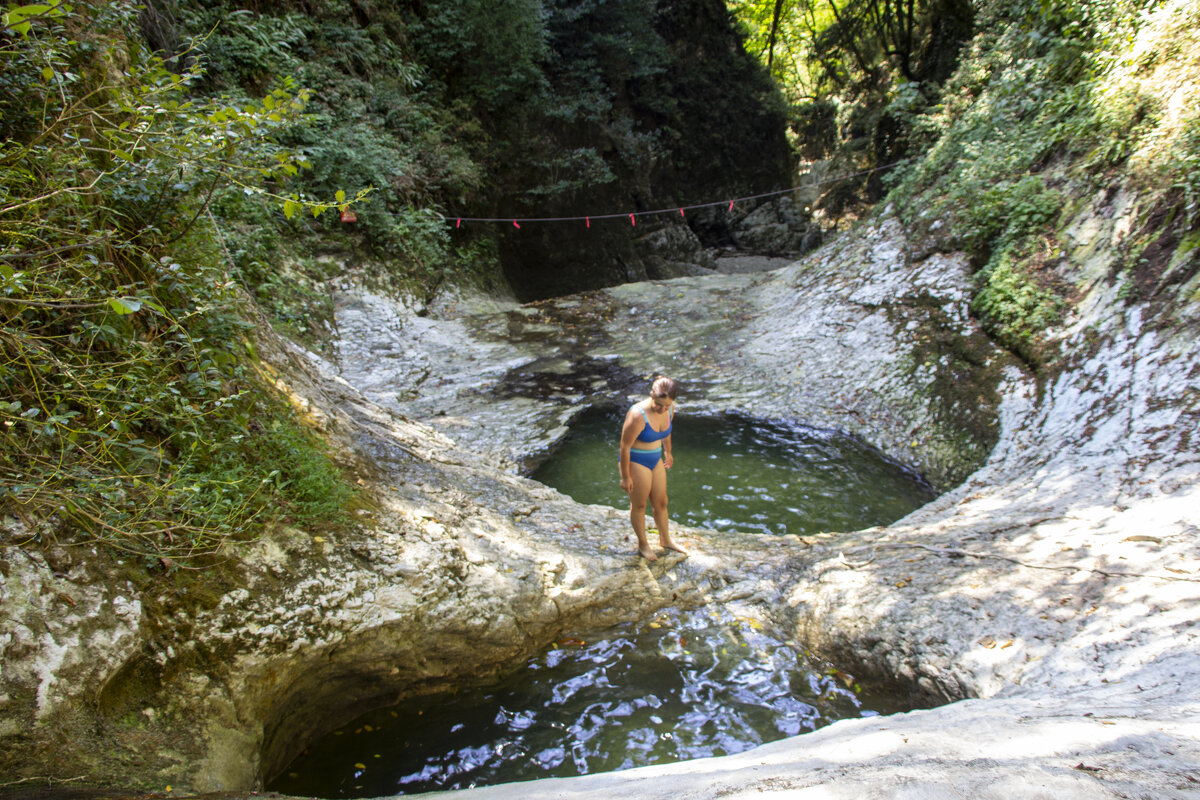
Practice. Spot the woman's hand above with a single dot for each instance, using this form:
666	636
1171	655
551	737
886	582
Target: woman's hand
626	484
668	460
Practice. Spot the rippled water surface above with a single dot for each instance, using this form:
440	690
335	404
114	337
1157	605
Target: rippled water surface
739	473
684	686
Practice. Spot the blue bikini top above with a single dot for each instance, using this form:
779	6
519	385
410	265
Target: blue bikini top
648	433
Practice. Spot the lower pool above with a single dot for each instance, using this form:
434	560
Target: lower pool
685	685
739	473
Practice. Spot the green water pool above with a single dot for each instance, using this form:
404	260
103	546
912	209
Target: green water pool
739	473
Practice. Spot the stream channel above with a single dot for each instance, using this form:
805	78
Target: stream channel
686	685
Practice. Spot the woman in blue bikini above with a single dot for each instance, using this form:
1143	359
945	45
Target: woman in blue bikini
645	459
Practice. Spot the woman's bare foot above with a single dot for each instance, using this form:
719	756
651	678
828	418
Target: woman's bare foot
666	542
646	552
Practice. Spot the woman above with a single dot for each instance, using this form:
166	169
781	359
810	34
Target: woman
645	459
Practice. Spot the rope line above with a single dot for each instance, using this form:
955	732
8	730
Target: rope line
632	216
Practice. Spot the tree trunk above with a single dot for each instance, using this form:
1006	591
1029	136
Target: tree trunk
774	31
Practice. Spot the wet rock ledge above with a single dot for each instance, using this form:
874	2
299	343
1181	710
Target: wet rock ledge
1052	591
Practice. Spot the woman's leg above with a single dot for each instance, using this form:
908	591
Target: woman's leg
658	502
643	480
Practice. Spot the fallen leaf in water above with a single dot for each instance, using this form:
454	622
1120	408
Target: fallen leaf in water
1086	768
1178	571
1141	538
360	765
319	540
572	642
845	677
988	642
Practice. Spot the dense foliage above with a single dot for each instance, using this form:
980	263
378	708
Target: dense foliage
1047	107
852	71
130	409
474	108
999	113
374	122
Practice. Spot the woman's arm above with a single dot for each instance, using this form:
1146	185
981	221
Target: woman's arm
629	434
668	459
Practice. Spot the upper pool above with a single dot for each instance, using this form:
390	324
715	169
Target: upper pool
735	472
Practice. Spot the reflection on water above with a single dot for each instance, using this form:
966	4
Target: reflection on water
687	685
740	473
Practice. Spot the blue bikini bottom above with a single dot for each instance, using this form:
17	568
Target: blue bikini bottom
647	458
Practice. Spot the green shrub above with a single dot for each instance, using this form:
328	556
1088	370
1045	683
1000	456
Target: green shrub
123	369
1013	308
290	475
1008	212
1183	170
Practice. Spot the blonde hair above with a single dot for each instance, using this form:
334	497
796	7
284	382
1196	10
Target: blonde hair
664	387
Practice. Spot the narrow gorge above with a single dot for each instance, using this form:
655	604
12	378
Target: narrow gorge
1041	613
1051	587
